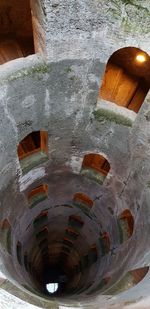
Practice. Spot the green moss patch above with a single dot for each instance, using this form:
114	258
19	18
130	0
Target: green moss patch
35	70
32	161
103	114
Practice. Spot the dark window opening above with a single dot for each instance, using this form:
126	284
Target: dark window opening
125	225
19	252
95	167
72	234
41	220
26	262
5	235
67	242
42	234
16	34
37	195
66	250
43	244
83	202
75	222
104	241
33	150
92	255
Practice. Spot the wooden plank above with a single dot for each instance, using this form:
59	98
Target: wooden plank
20	151
9	50
44	141
28	143
96	162
139	96
118	86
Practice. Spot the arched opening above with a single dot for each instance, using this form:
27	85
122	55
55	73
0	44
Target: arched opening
5	235
71	233
83	202
41	220
67	242
129	280
21	32
42	234
92	255
95	167
16	34
75	222
139	274
33	150
127	79
37	195
102	284
104	242
19	252
125	223
26	261
52	287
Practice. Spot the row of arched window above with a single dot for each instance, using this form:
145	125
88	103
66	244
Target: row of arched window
33	150
75	223
94	166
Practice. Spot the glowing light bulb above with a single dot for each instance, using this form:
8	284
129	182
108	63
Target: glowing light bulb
140	58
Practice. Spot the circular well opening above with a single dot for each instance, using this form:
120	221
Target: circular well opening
52	287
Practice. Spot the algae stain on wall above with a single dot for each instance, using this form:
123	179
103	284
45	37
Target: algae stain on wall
131	14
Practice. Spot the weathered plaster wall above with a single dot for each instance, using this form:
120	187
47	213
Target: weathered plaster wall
60	96
95	29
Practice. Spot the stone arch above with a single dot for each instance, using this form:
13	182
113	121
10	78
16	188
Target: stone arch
71	233
33	150
83	202
37	195
26	261
125	223
126	79
129	280
75	222
5	235
41	220
19	252
104	243
95	167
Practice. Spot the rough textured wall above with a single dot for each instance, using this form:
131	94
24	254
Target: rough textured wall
95	29
60	96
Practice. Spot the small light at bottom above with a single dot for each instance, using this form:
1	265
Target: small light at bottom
52	287
140	58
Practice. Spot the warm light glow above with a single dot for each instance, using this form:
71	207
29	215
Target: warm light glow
140	58
52	287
